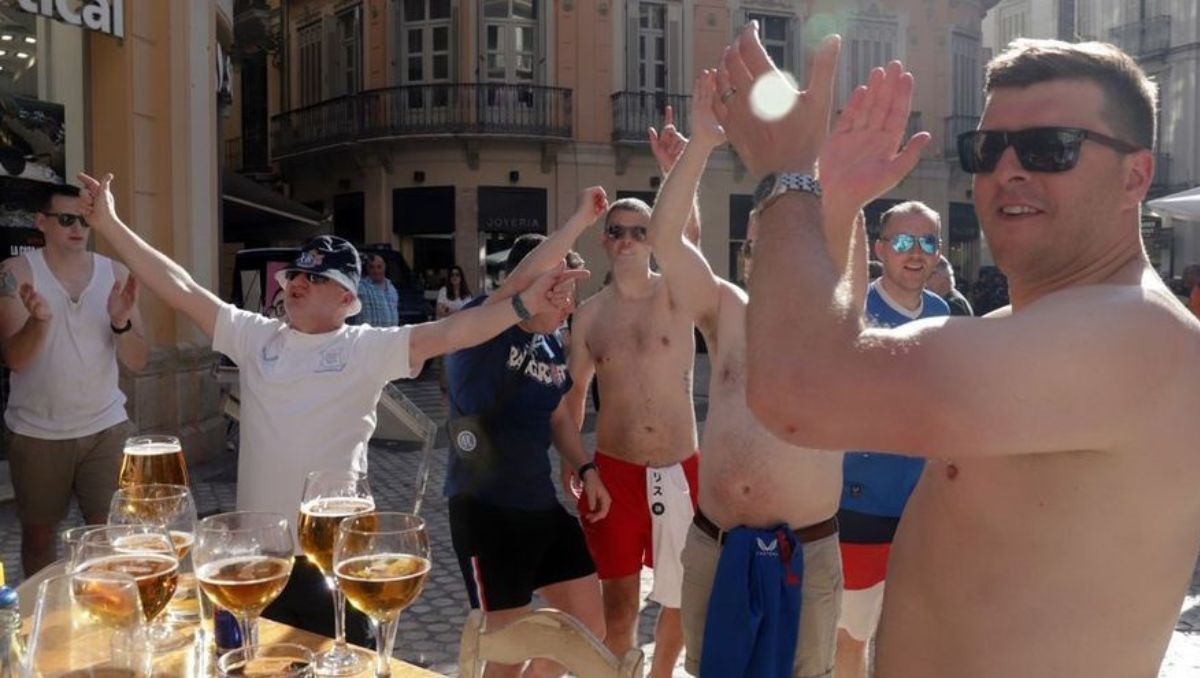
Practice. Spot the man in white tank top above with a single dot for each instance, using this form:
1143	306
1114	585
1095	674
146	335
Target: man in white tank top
66	316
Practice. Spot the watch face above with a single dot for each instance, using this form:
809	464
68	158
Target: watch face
764	189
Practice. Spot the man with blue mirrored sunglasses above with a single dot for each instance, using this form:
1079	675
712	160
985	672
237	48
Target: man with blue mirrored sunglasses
876	486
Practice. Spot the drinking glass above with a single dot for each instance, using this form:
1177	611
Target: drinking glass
381	560
153	459
330	496
170	507
87	623
144	552
279	660
243	560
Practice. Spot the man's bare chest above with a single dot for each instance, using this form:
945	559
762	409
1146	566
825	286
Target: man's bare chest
640	336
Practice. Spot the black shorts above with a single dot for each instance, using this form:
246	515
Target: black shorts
506	554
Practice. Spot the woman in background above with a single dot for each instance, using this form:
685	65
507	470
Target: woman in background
454	295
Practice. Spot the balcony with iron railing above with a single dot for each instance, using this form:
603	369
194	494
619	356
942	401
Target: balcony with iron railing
635	112
467	109
956	125
1143	38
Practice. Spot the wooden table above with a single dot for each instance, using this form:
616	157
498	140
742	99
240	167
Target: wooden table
190	661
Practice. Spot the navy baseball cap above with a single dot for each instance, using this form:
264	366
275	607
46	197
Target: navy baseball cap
333	257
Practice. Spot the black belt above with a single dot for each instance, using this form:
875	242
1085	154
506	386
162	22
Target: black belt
825	528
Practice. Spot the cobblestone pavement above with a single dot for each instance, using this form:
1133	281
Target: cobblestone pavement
429	631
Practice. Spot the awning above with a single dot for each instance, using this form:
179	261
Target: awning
1184	205
254	212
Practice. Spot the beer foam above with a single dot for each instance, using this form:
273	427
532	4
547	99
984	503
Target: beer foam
331	507
384	567
134	565
151	449
244	570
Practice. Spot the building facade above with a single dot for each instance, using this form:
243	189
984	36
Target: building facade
131	87
449	127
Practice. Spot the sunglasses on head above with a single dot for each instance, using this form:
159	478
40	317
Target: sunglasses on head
903	243
314	278
1039	149
67	220
617	231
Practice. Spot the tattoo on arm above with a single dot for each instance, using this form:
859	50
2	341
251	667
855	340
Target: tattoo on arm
8	282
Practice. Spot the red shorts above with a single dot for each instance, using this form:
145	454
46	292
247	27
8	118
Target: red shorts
623	542
863	565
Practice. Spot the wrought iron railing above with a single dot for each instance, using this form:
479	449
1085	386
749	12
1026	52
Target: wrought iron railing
635	112
956	125
425	110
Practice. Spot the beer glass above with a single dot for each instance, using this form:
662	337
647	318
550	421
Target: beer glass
71	539
243	560
280	660
171	507
380	561
330	496
153	459
87	623
144	552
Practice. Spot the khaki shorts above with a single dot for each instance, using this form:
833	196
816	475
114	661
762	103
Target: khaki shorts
821	602
47	473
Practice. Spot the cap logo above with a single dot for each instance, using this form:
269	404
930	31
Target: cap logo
310	259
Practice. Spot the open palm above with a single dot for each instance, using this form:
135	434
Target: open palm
862	158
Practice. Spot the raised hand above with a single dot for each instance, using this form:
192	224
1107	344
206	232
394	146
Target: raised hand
96	202
667	145
122	300
773	127
862	158
593	203
706	131
34	303
554	290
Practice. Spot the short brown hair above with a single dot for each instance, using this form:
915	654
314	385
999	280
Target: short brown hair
1130	98
628	205
910	207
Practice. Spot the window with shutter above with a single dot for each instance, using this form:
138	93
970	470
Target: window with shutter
869	41
308	41
348	59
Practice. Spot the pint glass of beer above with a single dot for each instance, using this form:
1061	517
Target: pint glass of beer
153	459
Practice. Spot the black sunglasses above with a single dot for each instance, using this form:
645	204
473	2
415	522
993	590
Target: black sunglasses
1039	149
314	278
617	231
67	220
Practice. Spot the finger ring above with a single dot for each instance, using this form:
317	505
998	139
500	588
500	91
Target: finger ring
728	94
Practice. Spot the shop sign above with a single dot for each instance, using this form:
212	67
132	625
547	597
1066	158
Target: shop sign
103	16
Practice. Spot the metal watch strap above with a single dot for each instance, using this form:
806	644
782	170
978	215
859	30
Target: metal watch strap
806	183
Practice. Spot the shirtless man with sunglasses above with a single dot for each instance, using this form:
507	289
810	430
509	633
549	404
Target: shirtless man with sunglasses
1056	526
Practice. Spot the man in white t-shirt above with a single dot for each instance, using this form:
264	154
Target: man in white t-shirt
309	386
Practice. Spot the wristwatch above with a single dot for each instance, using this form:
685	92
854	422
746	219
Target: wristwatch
122	329
776	184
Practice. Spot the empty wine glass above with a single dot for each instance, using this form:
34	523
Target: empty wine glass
88	623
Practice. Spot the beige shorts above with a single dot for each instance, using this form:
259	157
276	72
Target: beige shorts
47	473
821	601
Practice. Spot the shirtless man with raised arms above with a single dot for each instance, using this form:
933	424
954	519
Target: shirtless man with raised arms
750	480
1056	527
